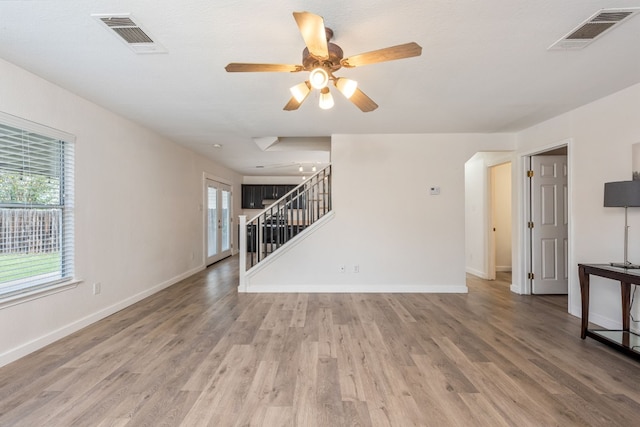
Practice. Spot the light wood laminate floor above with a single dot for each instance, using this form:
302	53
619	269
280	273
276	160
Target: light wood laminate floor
200	354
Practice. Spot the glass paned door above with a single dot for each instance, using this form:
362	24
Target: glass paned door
225	242
218	221
212	221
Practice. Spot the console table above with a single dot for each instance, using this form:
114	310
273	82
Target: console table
623	340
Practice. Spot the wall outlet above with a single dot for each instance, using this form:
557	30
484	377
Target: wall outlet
342	269
356	268
97	288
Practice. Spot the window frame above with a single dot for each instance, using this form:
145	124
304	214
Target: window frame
21	292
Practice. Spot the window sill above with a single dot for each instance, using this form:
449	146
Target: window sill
10	299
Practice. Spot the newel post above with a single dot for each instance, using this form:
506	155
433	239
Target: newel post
242	270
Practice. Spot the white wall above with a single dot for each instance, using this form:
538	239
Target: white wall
139	219
386	222
476	216
601	135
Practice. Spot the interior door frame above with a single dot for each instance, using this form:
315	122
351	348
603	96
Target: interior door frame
523	285
203	209
492	245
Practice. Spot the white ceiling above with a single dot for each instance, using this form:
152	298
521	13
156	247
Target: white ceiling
484	67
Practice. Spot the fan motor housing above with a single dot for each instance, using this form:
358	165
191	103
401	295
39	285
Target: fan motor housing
310	62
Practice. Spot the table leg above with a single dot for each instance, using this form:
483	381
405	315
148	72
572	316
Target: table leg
625	288
584	293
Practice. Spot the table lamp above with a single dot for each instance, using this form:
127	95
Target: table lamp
623	194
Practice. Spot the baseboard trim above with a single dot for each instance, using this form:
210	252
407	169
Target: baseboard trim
516	289
480	274
38	343
359	288
597	319
604	322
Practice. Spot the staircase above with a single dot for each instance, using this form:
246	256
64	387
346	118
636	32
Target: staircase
283	220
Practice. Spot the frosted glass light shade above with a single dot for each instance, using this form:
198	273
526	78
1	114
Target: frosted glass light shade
346	86
319	78
300	91
326	100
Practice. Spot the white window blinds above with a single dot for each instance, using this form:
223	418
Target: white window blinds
36	206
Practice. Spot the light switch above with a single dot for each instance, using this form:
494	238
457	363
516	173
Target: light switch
434	191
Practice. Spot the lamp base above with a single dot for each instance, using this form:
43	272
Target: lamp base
624	265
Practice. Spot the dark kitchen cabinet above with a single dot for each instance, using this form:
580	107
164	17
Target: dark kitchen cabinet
254	194
251	197
270	191
281	190
274	192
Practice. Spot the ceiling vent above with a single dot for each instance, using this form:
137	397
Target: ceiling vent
594	27
128	31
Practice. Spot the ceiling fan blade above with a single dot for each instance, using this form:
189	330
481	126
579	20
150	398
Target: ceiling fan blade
293	104
238	67
362	101
314	33
392	53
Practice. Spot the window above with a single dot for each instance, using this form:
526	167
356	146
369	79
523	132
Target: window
36	206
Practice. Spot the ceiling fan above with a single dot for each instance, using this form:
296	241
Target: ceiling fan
321	59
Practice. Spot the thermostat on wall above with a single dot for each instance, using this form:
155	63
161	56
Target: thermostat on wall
434	191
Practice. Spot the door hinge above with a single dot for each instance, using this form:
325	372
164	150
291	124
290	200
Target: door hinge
530	276
530	174
530	224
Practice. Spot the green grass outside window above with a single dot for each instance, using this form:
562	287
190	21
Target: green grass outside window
34	265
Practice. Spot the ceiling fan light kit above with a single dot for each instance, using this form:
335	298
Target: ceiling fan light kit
346	86
300	91
326	100
321	59
319	78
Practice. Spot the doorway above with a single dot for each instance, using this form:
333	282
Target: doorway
218	221
488	211
500	215
547	222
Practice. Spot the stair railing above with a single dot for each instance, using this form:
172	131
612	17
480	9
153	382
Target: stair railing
281	221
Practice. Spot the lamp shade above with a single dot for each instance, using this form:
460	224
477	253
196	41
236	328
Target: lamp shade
300	91
346	86
326	100
318	77
622	194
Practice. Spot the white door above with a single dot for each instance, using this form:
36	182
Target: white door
549	225
218	221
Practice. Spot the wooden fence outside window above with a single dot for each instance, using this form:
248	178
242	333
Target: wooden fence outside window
30	230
